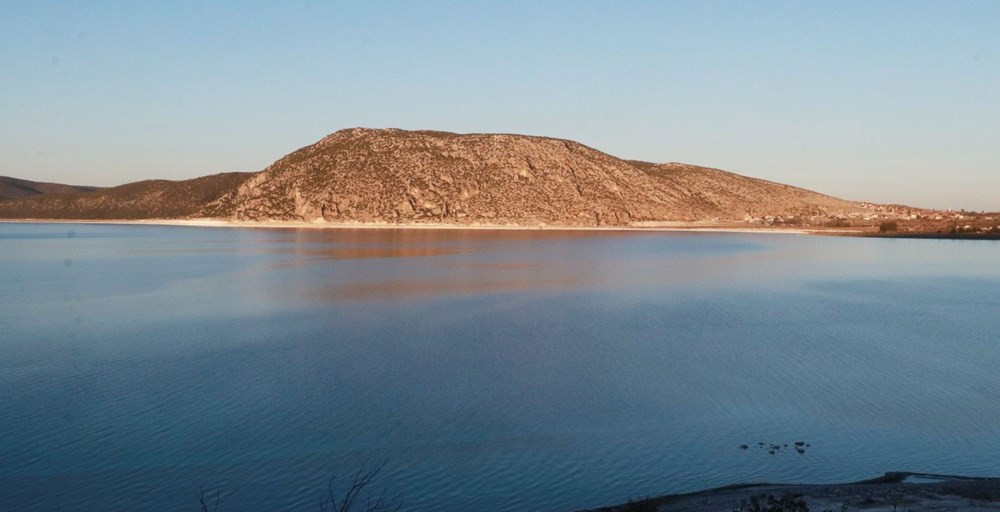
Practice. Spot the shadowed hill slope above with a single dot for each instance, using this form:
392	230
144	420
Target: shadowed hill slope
13	188
139	200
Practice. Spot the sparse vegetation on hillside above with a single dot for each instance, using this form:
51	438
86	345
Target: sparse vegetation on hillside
140	200
413	177
14	188
399	176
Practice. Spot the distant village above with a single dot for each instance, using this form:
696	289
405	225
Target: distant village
893	220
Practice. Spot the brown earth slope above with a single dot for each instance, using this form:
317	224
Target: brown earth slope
13	188
153	199
427	177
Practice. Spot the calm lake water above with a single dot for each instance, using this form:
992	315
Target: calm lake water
492	370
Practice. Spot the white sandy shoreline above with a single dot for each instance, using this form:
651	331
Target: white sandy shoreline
704	227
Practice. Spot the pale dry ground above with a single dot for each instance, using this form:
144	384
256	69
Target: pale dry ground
895	492
645	226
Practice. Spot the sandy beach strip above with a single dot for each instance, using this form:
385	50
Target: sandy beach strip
701	227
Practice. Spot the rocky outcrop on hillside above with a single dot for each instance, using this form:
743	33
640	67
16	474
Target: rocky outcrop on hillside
402	176
727	195
405	177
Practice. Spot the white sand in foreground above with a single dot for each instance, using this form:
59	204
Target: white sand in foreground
669	226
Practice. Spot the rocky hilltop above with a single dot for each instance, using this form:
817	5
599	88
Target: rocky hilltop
402	176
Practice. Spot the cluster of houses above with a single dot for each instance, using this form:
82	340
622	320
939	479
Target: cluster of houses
872	214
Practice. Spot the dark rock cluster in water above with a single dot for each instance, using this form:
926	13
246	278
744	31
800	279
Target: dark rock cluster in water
775	448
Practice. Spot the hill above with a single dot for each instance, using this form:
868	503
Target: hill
152	199
399	176
426	177
13	188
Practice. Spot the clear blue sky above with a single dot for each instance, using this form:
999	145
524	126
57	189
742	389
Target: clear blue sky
885	101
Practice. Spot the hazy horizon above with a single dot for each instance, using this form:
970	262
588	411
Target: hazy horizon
890	102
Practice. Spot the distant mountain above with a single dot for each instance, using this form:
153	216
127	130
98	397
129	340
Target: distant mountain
153	199
398	176
12	188
427	177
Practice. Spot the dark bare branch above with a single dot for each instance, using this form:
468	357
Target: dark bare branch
358	490
203	500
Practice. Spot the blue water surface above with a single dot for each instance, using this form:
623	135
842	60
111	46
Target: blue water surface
490	370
